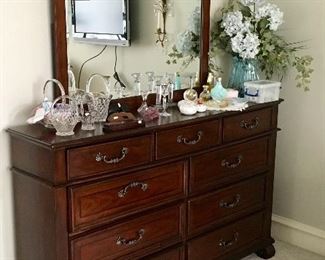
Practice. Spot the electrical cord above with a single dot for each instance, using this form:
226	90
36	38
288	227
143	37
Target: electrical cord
84	63
115	75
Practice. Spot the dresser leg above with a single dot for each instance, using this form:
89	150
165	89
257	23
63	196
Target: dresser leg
266	252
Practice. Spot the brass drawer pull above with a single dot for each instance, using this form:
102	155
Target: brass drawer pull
143	186
100	157
125	242
181	139
232	165
250	125
227	205
226	244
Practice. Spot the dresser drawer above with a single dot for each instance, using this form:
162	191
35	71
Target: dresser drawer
103	202
187	139
148	232
111	156
173	254
231	162
226	239
246	124
214	207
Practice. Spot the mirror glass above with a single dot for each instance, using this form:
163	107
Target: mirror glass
118	38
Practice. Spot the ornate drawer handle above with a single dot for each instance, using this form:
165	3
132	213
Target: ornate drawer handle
227	205
226	244
126	242
100	157
143	186
250	125
232	165
181	139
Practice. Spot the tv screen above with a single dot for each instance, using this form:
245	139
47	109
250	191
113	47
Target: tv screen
101	21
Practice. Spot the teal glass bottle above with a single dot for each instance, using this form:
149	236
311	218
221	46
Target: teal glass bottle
242	70
218	93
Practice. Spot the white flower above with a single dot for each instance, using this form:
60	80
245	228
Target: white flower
184	43
194	22
232	22
251	2
272	13
245	45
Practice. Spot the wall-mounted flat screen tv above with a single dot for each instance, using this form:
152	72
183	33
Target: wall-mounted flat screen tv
101	21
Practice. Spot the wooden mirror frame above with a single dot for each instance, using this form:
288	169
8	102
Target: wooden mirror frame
60	58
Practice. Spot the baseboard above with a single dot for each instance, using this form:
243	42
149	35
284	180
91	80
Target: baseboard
298	234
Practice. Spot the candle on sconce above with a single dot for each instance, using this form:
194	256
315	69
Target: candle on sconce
159	20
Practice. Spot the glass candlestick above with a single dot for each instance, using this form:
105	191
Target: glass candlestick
144	105
136	84
157	90
151	81
164	93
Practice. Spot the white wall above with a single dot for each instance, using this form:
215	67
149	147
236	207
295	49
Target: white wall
300	165
25	63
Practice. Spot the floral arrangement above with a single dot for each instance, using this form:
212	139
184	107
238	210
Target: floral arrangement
248	30
187	45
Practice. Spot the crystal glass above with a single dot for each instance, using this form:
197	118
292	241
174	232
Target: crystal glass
136	83
144	105
170	79
157	90
46	104
102	99
151	81
87	112
75	92
64	116
164	94
242	71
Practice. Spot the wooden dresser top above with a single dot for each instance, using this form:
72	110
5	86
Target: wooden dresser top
46	137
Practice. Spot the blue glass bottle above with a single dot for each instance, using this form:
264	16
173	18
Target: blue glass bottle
218	93
242	70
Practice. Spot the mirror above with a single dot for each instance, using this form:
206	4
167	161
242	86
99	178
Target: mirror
119	38
143	55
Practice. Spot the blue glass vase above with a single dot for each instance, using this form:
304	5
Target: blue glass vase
242	70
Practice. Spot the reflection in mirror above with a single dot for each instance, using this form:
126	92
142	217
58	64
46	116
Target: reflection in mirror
96	34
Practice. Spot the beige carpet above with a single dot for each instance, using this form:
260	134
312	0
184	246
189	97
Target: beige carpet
285	251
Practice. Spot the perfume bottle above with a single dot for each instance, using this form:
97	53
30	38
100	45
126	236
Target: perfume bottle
210	81
178	82
218	93
205	94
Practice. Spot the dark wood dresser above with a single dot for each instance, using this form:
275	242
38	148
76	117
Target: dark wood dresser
196	187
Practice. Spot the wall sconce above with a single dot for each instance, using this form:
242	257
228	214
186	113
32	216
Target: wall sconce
161	8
